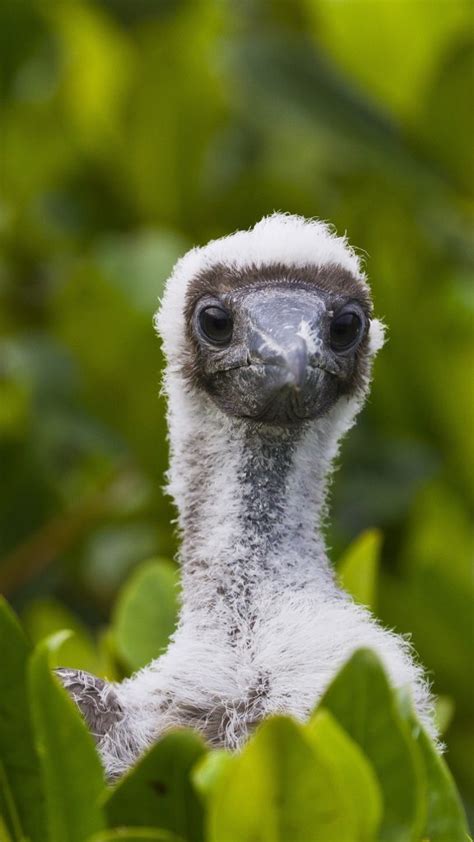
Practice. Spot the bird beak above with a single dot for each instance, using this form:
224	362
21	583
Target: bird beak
295	362
278	372
287	364
276	341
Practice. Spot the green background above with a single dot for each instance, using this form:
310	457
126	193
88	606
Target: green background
133	129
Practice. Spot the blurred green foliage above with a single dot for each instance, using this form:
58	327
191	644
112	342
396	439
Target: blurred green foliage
131	129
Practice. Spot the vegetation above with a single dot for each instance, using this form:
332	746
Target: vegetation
132	129
362	768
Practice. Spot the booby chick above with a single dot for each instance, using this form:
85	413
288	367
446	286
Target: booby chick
269	337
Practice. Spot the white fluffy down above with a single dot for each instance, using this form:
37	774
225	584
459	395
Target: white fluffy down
298	643
279	238
300	627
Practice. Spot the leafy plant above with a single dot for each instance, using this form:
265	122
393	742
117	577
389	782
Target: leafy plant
133	129
361	769
146	611
358	567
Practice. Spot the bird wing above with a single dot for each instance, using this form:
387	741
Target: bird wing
95	698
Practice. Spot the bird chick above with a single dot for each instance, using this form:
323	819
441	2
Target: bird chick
269	337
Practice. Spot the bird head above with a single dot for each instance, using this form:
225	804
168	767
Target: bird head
273	325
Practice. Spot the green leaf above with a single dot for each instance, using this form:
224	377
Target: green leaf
43	617
444	712
134	834
72	772
21	795
278	789
4	834
158	791
210	770
146	612
449	123
362	701
445	818
357	780
92	100
381	38
8	807
359	566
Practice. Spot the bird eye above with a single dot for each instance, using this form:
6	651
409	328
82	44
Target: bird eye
216	325
345	330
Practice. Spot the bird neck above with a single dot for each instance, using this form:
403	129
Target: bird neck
250	500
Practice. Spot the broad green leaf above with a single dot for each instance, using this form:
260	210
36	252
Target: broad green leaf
278	789
44	617
359	565
445	815
162	186
448	126
210	770
96	70
362	702
4	834
157	792
358	783
21	794
444	712
445	818
8	808
72	772
146	612
380	32
134	834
